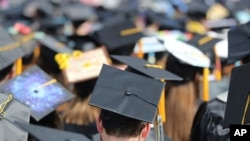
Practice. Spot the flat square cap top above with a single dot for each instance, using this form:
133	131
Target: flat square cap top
118	34
127	94
38	90
143	67
238	42
10	50
237	108
12	111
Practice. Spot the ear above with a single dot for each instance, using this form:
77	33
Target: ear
99	125
146	130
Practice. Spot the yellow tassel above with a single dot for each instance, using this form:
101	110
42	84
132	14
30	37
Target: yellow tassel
140	53
205	84
217	71
19	66
130	31
161	106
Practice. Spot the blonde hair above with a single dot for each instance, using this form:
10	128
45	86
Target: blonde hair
80	112
181	106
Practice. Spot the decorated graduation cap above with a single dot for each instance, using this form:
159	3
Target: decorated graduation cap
119	36
129	94
207	45
49	134
38	90
150	47
237	108
10	112
186	60
50	46
238	41
82	66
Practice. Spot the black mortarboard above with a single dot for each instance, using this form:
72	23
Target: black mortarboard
142	66
129	94
237	108
28	45
53	44
197	9
49	134
165	22
10	50
119	37
86	66
46	7
12	111
238	43
43	93
76	11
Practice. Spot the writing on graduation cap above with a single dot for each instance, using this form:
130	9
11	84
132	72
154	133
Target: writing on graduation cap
237	132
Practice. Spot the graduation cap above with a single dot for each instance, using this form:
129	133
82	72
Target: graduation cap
43	93
217	25
206	44
76	11
237	108
129	94
186	60
28	44
85	66
10	50
10	112
143	67
49	134
238	41
151	48
119	36
53	44
164	21
150	44
197	9
46	7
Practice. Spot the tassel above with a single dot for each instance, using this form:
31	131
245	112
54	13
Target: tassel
19	66
140	53
161	105
205	84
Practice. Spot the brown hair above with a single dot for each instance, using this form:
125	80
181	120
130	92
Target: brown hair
121	126
80	112
181	105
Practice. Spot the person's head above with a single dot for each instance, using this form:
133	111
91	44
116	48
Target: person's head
114	125
128	104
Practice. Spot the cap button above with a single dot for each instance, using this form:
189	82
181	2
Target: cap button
128	93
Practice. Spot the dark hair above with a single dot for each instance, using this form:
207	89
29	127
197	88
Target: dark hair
121	126
187	72
5	71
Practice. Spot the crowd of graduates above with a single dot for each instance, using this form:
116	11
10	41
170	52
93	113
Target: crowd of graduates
52	52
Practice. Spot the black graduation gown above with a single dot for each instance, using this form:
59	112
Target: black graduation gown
208	122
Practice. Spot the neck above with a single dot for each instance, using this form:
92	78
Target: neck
105	137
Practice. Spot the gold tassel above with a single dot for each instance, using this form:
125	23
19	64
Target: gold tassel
19	66
140	53
161	105
205	84
130	31
217	71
